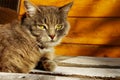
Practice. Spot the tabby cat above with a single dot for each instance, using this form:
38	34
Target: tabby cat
30	43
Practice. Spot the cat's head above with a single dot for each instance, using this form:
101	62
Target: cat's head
47	23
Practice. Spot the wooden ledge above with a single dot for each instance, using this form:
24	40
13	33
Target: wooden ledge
74	69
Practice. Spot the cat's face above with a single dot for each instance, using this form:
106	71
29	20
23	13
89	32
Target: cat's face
47	23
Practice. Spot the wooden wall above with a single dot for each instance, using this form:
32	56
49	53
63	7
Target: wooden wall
95	27
7	15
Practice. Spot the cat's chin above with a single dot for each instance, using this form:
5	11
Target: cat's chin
51	43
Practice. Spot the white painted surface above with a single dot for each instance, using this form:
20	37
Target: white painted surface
93	61
16	76
90	72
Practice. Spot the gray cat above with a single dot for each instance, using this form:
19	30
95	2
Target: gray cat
30	43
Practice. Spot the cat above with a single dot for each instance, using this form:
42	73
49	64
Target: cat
29	43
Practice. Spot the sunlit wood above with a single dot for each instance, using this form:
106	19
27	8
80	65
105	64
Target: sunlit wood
88	50
94	31
7	15
94	22
83	8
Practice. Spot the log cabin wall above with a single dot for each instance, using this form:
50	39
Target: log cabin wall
95	27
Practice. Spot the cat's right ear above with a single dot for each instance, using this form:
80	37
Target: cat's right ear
65	9
30	8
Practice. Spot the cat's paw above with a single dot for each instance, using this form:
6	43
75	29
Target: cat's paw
49	65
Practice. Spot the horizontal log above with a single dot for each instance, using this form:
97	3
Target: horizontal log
94	31
7	15
88	50
85	8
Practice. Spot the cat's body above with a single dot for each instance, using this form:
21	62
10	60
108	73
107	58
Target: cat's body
28	44
18	50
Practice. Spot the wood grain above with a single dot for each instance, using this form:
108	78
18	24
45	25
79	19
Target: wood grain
94	31
18	76
85	8
7	15
88	50
91	62
97	68
79	72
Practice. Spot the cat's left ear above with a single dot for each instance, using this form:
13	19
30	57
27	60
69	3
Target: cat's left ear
66	7
30	8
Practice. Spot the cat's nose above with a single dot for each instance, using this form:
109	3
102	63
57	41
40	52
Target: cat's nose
52	36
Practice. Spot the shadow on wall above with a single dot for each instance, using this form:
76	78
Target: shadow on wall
12	4
7	15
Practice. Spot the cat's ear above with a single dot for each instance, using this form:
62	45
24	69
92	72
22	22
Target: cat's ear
66	7
30	8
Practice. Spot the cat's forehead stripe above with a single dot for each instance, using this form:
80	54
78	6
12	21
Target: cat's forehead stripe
49	15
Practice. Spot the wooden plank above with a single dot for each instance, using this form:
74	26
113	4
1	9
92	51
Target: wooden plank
94	62
87	50
17	76
94	31
87	67
85	8
68	73
78	72
7	15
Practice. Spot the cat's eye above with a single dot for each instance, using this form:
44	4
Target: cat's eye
59	27
42	27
